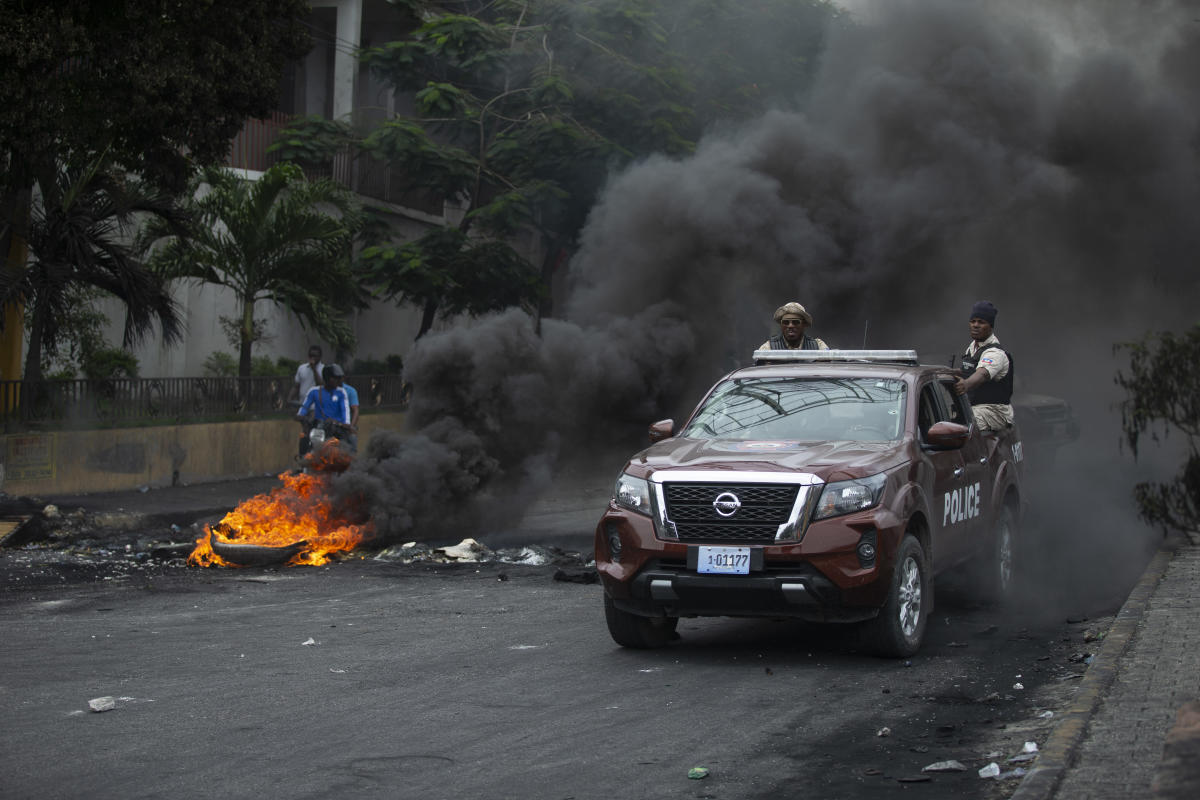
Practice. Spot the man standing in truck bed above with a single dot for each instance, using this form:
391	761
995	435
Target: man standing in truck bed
793	321
987	372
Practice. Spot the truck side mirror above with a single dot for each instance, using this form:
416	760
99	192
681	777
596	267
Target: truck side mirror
661	430
947	436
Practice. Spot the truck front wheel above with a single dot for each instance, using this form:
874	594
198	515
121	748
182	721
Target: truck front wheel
898	630
632	630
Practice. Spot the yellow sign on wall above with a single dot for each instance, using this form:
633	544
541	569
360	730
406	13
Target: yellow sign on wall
29	457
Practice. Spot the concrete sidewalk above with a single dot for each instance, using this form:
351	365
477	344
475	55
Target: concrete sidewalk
1133	730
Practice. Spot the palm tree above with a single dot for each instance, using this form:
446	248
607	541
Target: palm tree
80	235
281	239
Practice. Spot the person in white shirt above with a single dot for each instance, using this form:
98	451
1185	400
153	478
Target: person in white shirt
308	375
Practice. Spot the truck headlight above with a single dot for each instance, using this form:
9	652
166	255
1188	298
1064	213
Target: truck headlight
632	493
843	497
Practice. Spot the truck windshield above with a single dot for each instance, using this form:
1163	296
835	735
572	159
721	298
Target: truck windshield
802	409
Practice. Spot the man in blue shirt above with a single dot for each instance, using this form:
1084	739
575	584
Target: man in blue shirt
352	393
329	404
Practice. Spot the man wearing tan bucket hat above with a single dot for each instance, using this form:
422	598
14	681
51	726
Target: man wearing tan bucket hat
793	321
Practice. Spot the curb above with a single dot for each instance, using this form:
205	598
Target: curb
1061	748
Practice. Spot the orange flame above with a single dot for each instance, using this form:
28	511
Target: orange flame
295	512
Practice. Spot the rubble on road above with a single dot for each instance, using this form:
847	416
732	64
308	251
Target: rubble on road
100	704
466	550
125	542
470	551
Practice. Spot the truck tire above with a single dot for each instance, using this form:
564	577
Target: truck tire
898	630
996	569
641	633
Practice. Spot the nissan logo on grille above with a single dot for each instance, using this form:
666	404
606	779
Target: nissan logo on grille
727	504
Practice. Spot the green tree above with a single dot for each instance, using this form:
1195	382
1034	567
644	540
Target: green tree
156	86
280	239
80	326
159	85
1163	395
522	109
79	235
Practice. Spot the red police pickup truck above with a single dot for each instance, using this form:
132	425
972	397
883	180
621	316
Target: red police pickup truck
829	485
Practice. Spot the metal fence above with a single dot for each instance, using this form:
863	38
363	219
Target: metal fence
114	402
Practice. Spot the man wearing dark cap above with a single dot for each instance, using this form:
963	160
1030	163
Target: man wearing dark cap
793	321
987	372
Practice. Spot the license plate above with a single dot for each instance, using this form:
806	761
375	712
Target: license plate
724	560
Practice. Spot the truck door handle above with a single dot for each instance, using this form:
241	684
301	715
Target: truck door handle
983	460
958	471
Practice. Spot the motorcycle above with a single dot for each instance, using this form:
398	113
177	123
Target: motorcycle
317	432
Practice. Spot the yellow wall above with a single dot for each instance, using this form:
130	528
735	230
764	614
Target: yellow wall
73	462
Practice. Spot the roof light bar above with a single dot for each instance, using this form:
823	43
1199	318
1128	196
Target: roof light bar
808	356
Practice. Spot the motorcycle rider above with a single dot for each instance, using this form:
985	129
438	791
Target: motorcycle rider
327	404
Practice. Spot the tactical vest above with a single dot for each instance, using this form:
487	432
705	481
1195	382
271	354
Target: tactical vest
997	392
779	343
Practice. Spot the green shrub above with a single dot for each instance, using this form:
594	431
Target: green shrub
265	367
219	364
391	365
109	362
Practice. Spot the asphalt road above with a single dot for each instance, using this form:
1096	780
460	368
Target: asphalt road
371	678
368	678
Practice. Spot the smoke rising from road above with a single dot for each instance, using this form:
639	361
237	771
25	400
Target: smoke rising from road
1044	156
493	403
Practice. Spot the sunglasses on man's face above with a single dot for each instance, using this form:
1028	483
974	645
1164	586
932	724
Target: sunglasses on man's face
791	322
314	355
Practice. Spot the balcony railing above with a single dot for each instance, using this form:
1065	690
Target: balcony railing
117	402
249	148
355	170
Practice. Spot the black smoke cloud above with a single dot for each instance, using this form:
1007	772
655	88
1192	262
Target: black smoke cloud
1040	155
494	404
1043	158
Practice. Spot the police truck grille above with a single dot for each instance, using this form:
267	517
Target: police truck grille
764	507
